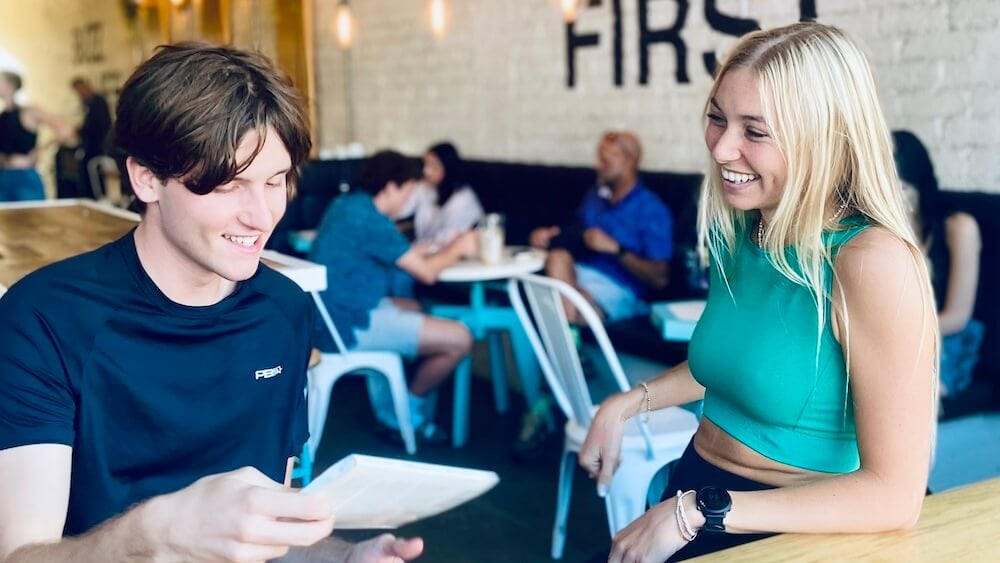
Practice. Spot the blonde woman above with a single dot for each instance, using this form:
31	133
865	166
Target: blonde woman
816	353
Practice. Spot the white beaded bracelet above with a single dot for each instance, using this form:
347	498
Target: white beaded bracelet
683	525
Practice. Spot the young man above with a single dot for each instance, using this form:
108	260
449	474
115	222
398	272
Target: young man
621	243
133	423
364	253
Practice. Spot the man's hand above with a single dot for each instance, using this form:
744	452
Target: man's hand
239	516
600	241
386	549
542	236
425	248
467	243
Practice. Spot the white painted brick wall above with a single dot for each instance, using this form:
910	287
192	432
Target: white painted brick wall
495	83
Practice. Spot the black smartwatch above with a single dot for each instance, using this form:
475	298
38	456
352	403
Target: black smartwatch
621	252
714	503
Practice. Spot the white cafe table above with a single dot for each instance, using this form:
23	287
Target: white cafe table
485	320
37	233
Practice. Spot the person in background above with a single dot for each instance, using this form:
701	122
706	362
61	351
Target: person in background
951	242
440	208
93	132
621	243
816	354
363	251
444	204
19	149
134	421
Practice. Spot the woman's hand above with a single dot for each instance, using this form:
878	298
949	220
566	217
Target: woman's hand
601	451
653	537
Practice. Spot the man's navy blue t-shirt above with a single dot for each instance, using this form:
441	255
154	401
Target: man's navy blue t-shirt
151	395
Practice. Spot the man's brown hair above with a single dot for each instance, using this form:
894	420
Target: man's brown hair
184	112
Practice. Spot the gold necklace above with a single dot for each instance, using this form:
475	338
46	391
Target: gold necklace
760	223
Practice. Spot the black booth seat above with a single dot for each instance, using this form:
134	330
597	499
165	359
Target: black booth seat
532	195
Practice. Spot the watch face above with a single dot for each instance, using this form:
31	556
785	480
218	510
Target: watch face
714	499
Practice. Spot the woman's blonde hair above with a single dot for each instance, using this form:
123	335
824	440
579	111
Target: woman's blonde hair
821	105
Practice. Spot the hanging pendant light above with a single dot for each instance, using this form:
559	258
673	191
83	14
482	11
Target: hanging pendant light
345	24
438	18
569	9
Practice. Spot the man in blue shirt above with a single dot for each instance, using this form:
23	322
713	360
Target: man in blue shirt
153	389
620	246
364	253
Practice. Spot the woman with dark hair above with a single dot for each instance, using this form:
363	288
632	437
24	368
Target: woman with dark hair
951	243
445	205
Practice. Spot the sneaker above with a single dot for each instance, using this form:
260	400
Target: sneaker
537	428
430	434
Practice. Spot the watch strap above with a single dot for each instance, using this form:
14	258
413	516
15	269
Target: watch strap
714	523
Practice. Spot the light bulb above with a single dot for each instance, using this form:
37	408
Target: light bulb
345	25
437	17
569	10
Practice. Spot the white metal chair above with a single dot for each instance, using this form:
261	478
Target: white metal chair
646	446
97	167
333	366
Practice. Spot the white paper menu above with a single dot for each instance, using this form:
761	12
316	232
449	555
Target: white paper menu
369	492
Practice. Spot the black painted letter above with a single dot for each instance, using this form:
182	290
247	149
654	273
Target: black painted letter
672	35
726	24
574	42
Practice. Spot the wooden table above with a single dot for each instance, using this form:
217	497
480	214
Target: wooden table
957	525
35	234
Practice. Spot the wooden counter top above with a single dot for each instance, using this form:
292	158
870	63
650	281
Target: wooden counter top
32	237
35	234
958	525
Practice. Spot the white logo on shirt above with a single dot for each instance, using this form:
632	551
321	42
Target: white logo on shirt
267	373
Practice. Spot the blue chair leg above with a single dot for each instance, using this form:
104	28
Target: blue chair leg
528	369
498	370
563	495
305	467
460	417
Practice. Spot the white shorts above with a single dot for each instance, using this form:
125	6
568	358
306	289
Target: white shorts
616	300
391	329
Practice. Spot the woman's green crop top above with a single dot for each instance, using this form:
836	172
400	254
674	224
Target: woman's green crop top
754	351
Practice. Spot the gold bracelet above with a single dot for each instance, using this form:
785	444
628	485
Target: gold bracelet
648	401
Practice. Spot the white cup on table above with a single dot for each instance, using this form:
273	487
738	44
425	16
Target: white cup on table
491	238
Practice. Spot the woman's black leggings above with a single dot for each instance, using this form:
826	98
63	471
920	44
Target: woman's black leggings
692	473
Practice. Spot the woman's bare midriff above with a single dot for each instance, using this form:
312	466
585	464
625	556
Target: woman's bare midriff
725	452
17	161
